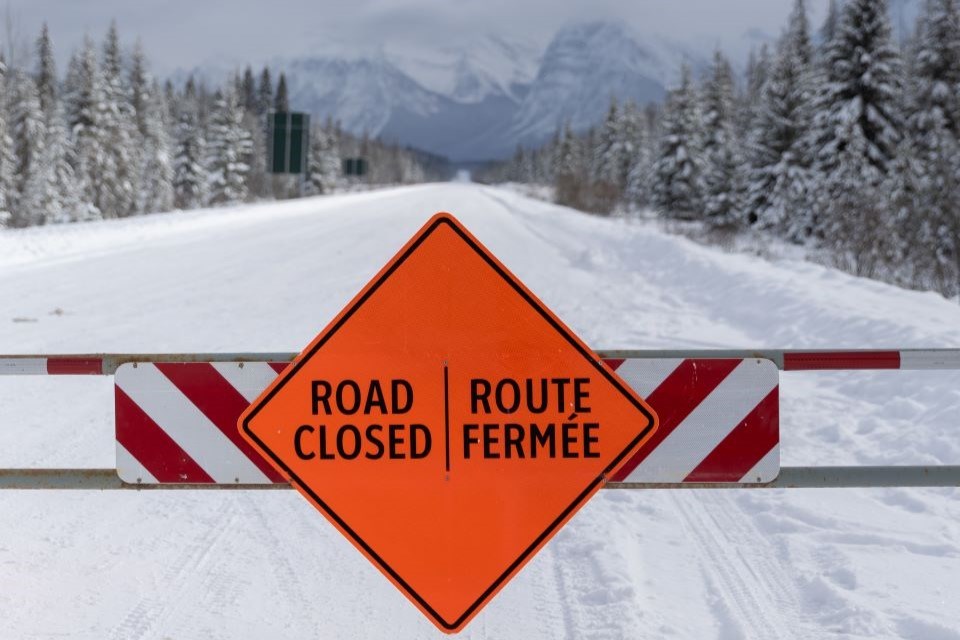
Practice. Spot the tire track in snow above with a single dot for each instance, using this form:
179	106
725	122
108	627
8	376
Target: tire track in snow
179	579
755	597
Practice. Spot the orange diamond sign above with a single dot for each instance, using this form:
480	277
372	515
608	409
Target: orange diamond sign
447	423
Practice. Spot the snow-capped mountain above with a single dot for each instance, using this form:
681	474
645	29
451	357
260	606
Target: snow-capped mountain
488	65
583	67
479	100
363	93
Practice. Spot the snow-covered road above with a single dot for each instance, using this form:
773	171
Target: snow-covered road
704	564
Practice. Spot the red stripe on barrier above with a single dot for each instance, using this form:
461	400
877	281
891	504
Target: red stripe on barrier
743	447
279	366
151	445
219	401
838	360
74	366
676	397
613	363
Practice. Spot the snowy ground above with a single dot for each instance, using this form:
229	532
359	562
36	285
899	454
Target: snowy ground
682	564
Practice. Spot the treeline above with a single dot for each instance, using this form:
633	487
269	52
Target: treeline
850	146
109	141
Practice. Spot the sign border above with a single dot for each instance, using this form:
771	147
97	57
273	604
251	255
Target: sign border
432	225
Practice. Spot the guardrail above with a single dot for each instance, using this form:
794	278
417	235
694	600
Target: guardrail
785	360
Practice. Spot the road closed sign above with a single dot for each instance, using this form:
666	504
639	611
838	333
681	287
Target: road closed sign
447	423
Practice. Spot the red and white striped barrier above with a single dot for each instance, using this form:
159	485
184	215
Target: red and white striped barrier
907	359
786	360
177	422
55	366
719	421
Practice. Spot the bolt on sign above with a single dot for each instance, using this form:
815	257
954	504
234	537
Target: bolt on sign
447	423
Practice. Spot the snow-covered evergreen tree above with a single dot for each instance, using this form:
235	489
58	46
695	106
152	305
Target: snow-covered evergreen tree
611	155
862	92
281	102
139	89
8	159
264	94
635	153
855	221
935	76
229	146
53	188
637	191
46	77
676	188
83	106
934	130
324	160
828	30
569	169
904	195
797	34
29	136
758	68
156	175
778	151
722	160
189	171
120	170
859	107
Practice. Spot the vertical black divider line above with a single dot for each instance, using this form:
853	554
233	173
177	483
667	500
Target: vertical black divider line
446	413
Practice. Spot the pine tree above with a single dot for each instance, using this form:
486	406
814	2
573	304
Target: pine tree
83	102
676	186
758	68
264	95
862	93
778	141
855	221
722	162
190	174
139	89
119	177
53	189
569	169
798	33
46	72
229	145
8	160
29	136
324	160
249	91
934	127
157	173
829	28
904	192
282	101
935	75
610	149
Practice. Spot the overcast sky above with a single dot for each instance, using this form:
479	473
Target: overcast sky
184	33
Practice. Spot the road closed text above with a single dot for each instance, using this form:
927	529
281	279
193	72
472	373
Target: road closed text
505	418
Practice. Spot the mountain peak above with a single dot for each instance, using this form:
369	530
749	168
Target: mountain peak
479	99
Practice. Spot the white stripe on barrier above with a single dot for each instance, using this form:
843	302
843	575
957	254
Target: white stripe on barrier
694	439
645	375
23	366
187	426
129	468
250	379
930	359
761	472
